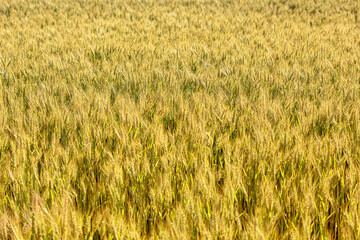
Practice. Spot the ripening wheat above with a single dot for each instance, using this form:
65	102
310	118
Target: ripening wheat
179	119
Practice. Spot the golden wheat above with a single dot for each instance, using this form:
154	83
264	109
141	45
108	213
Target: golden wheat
179	119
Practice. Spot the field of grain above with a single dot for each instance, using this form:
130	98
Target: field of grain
179	119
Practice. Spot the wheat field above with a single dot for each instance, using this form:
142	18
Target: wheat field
179	119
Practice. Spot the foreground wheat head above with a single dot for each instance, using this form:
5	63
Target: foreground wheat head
179	119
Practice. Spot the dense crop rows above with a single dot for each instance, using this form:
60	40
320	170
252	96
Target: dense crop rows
177	119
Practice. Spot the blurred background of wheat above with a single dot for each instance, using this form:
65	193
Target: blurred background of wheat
179	119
